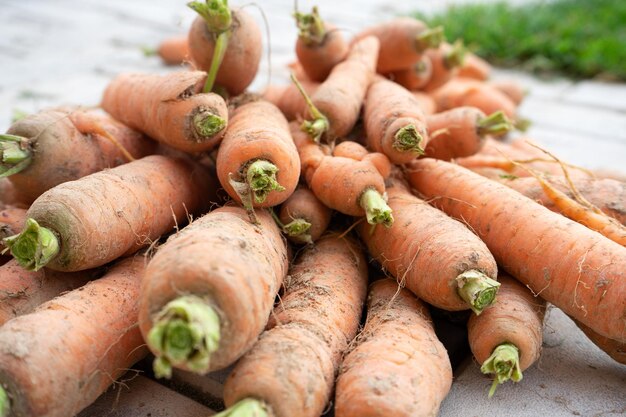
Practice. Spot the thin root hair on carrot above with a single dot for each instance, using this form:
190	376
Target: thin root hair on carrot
269	40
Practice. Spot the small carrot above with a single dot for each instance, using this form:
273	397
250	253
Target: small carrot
169	108
506	339
394	122
397	366
511	88
616	350
572	267
288	98
87	223
474	67
445	63
58	359
402	42
12	221
416	76
208	291
291	370
462	131
174	50
304	218
319	46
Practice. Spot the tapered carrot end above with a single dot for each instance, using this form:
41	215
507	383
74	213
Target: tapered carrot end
35	247
504	364
5	405
430	38
298	231
15	154
376	209
207	124
185	334
496	124
408	139
246	408
477	289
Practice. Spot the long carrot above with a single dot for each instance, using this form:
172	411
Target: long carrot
174	50
616	350
416	76
434	256
209	290
572	267
507	338
291	370
60	358
304	218
394	122
402	42
319	46
288	98
169	108
87	223
54	146
397	367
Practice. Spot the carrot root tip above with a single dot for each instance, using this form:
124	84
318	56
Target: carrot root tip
316	128
376	208
248	407
216	14
15	154
310	27
430	38
297	230
185	334
261	177
35	247
206	124
504	364
5	404
496	124
408	139
477	289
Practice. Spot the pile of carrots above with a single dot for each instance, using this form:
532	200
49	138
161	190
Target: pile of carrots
298	235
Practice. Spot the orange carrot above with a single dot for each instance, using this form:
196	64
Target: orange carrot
416	76
398	367
402	42
86	223
54	146
319	46
291	370
169	108
304	218
208	291
613	348
226	43
445	63
434	256
12	221
474	67
572	267
288	98
507	338
257	163
511	88
426	102
462	131
9	195
394	122
174	50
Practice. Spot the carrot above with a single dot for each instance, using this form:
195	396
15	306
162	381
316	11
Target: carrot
12	221
226	43
174	50
507	338
394	122
511	88
60	358
319	46
462	131
426	102
304	218
257	163
402	42
208	291
86	223
474	67
435	257
416	76
169	108
616	350
397	367
21	291
54	146
9	195
291	370
445	63
572	267
336	103
288	98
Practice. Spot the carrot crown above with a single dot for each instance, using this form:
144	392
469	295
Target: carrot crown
298	230
5	405
408	139
454	57
496	124
477	289
216	14
15	154
376	209
504	364
35	247
206	124
248	407
429	38
185	334
310	27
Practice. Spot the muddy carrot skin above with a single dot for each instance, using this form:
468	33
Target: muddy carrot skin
174	50
616	350
304	218
12	221
397	367
60	358
291	370
567	264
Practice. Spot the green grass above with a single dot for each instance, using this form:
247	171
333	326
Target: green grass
578	38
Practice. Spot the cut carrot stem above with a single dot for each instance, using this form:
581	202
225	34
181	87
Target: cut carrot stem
319	124
218	56
376	208
495	124
455	57
13	156
5	405
261	178
430	38
207	123
310	27
477	289
299	228
408	139
504	363
249	407
34	247
187	331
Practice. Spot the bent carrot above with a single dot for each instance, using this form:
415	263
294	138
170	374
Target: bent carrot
291	370
304	218
202	310
416	76
507	338
169	108
397	367
86	223
474	67
174	50
60	358
572	267
616	350
288	98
